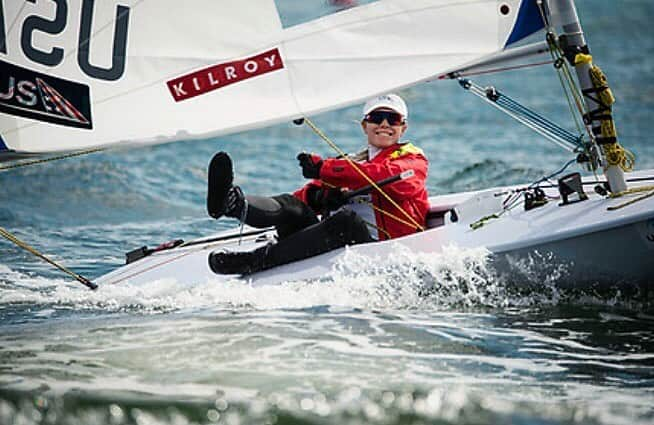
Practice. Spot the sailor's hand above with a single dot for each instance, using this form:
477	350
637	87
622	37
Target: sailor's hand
333	198
311	164
321	199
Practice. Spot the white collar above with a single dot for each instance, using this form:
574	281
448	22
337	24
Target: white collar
373	151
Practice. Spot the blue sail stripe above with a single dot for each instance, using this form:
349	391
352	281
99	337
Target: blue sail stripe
529	21
3	147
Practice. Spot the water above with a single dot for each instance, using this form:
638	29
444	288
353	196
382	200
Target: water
423	340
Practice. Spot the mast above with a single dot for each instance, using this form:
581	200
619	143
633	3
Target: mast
576	50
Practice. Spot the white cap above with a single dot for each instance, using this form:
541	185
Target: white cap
391	101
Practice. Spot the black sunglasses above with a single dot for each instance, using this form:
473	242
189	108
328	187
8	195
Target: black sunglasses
377	117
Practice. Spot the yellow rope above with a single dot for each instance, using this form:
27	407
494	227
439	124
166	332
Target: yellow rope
570	89
54	158
4	233
379	229
363	201
616	154
482	221
574	89
631	191
388	214
633	201
507	205
363	174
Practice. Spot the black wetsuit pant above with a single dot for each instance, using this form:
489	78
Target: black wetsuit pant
301	234
287	213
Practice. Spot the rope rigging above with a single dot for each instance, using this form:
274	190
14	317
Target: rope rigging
598	123
545	127
594	128
537	198
53	158
13	239
86	282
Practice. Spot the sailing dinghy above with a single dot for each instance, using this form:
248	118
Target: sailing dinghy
79	76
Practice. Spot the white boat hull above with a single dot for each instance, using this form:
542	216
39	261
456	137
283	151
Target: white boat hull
591	244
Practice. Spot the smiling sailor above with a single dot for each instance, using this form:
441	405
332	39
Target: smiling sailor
396	209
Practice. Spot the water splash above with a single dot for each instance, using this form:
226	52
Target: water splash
454	279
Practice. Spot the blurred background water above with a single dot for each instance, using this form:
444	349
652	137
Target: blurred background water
360	347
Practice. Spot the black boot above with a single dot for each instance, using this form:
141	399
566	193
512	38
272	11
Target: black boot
235	203
243	263
342	228
222	197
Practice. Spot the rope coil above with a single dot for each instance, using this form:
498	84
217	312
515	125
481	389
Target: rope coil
616	155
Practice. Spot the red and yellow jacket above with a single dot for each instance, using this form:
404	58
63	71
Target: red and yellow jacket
410	194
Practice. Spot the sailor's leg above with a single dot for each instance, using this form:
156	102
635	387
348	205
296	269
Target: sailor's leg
342	228
287	213
338	230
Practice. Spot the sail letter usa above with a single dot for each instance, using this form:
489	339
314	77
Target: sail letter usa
41	22
224	74
30	94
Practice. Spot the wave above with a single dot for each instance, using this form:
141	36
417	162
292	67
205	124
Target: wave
488	173
453	280
103	188
453	405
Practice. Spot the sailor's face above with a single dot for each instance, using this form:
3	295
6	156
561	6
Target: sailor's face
383	135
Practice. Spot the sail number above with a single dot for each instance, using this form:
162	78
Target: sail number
56	25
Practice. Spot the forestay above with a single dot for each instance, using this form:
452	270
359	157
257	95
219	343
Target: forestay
76	74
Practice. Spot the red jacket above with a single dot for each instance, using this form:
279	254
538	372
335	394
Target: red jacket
410	194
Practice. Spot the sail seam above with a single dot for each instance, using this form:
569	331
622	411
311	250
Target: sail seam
378	58
101	29
13	23
291	86
210	61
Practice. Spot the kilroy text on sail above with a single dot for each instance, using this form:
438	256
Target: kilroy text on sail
224	74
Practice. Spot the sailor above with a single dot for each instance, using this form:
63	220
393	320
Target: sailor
346	221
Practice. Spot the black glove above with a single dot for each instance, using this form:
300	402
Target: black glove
311	165
333	198
321	199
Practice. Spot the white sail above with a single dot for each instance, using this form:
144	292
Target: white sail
76	74
506	59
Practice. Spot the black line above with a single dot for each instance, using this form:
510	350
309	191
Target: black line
226	238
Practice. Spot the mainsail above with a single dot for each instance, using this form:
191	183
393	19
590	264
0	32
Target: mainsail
77	74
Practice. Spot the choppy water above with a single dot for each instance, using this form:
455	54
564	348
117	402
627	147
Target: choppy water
427	340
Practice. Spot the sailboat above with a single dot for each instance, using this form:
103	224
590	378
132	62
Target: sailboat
79	76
